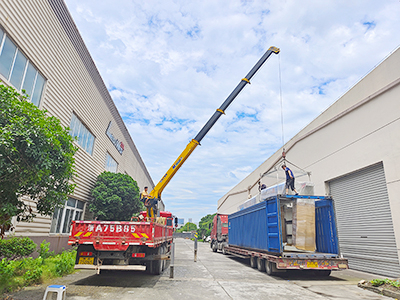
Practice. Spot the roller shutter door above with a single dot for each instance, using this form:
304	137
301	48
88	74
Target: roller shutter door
365	226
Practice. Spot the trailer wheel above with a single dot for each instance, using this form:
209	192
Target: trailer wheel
269	267
224	250
253	262
260	264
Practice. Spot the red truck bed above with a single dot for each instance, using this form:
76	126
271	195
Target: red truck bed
118	236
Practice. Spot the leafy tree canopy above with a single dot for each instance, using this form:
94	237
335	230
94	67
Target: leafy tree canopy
116	197
187	227
36	159
205	225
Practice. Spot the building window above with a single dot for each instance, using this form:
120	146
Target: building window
16	68
85	138
62	217
111	164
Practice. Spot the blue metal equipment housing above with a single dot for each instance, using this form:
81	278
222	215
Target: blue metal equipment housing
258	227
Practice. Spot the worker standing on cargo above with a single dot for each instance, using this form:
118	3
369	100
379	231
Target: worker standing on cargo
289	179
148	203
144	194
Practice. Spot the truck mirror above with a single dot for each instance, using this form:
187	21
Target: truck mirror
176	222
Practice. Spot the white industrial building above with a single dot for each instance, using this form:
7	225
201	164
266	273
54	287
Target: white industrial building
42	52
353	153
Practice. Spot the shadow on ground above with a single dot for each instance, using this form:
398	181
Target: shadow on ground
120	279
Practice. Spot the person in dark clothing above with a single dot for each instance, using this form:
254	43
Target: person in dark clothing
289	180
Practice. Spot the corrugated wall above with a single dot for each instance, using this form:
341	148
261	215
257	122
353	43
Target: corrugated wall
45	32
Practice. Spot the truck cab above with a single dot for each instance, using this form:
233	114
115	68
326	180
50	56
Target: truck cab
219	232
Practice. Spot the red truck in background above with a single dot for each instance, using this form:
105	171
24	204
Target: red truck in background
123	245
219	232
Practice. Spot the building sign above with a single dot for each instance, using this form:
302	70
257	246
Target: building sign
119	145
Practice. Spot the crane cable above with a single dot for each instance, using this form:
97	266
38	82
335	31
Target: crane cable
280	94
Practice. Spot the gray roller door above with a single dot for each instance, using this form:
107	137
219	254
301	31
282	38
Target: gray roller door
364	219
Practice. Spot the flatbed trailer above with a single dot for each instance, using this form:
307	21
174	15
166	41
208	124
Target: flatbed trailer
260	233
135	245
324	263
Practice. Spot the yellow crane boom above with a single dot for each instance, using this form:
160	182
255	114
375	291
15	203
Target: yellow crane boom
156	192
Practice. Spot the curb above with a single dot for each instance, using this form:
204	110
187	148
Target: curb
379	290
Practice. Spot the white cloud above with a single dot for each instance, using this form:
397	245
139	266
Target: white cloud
170	64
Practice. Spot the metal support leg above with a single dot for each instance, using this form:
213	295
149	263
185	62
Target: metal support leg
195	248
171	267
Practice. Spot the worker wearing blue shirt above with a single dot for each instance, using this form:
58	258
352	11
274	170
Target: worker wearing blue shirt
289	180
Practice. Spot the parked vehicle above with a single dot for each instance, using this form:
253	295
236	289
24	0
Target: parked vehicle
106	245
219	232
265	233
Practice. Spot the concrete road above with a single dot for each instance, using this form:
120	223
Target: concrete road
213	276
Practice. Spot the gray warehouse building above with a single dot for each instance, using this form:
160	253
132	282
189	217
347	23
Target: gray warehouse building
353	153
42	52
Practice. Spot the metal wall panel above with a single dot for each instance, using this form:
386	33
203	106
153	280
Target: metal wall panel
365	227
248	227
45	33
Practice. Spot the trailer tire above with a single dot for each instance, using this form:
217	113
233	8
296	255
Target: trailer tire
260	264
253	262
224	250
269	267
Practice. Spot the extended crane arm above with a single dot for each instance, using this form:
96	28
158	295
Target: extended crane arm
156	192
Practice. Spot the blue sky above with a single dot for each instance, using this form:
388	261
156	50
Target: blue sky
169	64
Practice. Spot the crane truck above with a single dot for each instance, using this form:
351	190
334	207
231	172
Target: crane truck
144	243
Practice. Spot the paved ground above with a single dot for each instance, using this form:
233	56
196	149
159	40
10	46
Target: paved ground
213	276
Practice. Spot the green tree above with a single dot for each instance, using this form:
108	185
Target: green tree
187	227
205	225
36	159
116	197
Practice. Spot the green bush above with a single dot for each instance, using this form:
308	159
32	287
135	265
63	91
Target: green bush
65	263
6	271
44	250
16	247
15	274
379	282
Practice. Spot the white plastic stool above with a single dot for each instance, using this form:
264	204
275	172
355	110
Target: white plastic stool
55	292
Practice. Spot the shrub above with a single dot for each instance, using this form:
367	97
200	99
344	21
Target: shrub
6	271
16	247
65	263
44	250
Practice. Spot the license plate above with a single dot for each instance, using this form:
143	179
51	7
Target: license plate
312	264
342	266
86	260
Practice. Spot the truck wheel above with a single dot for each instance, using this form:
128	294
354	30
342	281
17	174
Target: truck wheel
162	248
260	264
215	247
253	262
269	267
156	265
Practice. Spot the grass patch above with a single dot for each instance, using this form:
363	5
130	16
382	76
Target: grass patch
15	274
